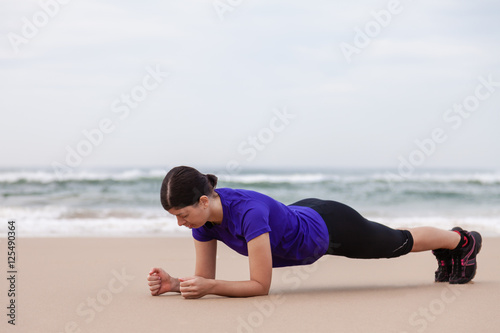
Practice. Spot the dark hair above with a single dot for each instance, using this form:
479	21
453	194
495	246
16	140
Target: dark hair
183	186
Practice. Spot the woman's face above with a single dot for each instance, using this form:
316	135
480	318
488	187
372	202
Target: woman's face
194	216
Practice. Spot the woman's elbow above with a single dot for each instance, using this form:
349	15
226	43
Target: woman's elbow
264	289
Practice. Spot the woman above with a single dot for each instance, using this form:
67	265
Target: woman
272	234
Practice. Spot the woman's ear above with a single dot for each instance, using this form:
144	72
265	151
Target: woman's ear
204	201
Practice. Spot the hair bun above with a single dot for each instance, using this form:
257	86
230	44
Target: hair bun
212	179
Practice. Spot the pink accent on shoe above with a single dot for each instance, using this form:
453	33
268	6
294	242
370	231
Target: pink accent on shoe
466	239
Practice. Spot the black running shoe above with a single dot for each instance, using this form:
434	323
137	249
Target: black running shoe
464	263
444	260
443	272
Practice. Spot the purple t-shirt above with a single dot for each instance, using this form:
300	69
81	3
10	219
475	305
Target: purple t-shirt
298	235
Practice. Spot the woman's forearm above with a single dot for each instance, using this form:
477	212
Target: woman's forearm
238	288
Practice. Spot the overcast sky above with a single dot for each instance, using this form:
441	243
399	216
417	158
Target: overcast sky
251	83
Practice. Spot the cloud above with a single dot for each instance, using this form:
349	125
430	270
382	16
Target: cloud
228	75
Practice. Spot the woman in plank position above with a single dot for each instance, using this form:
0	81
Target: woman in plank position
272	234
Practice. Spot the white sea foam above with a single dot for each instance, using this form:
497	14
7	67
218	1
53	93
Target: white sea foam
49	222
167	227
489	226
53	212
48	177
129	205
110	227
257	177
274	179
451	177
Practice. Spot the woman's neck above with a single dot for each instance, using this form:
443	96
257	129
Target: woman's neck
216	211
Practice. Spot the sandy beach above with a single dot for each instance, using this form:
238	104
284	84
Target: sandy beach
99	285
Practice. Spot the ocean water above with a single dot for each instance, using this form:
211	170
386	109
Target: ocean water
125	202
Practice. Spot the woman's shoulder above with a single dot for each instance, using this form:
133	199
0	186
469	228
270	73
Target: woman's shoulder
241	202
237	194
242	196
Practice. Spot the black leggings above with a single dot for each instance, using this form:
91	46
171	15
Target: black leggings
353	236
